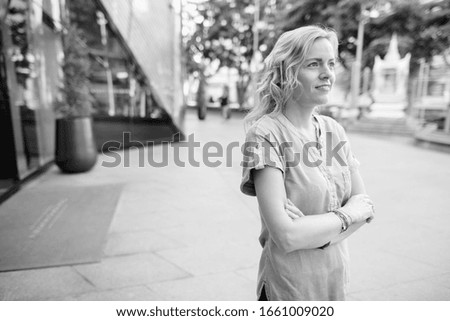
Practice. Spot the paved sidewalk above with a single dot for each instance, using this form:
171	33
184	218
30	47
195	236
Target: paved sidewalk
187	233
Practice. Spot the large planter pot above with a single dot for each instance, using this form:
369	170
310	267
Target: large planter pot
75	145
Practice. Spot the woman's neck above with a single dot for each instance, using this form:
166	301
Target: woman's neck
299	116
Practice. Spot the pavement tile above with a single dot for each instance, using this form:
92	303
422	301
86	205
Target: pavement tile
208	231
376	270
134	293
442	280
138	219
131	220
123	271
421	290
137	242
42	284
409	239
188	233
149	196
250	274
430	247
213	258
214	287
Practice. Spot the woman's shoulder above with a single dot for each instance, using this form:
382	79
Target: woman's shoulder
265	125
330	124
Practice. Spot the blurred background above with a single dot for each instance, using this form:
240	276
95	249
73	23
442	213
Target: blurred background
86	81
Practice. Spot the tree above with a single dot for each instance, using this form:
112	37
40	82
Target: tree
423	28
222	31
342	15
222	35
82	13
77	100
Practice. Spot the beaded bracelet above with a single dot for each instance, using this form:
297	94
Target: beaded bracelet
344	220
347	217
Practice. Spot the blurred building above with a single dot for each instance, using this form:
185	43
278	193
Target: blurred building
432	91
135	80
432	102
391	75
152	31
390	82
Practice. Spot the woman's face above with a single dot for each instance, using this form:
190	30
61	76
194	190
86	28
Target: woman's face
316	75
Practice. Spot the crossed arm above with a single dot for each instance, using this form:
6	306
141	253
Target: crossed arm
302	232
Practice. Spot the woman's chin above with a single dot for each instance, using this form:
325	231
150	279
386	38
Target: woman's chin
322	100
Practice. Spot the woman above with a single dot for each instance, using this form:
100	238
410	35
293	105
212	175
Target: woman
300	167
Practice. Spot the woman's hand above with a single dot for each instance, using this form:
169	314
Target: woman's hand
292	211
360	208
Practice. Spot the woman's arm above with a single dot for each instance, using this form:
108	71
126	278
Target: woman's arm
306	232
357	188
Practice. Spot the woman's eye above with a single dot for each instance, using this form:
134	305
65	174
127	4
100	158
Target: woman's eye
313	64
332	64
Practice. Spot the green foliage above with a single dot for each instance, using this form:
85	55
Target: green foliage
423	29
224	32
16	18
83	13
311	12
77	101
341	15
224	29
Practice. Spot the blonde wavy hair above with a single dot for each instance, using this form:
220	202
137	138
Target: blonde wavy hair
279	77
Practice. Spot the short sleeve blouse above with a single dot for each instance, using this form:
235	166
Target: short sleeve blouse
317	180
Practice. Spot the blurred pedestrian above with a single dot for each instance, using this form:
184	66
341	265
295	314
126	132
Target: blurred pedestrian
225	108
310	198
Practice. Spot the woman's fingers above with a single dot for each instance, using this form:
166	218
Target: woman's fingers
366	198
360	208
293	210
290	212
291	215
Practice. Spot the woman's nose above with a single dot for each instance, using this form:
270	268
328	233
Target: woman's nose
326	72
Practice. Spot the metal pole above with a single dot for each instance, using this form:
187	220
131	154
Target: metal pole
101	20
420	79
426	79
447	118
109	79
255	49
356	68
178	99
255	30
366	79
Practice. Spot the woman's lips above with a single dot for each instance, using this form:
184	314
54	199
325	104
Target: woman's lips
324	87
